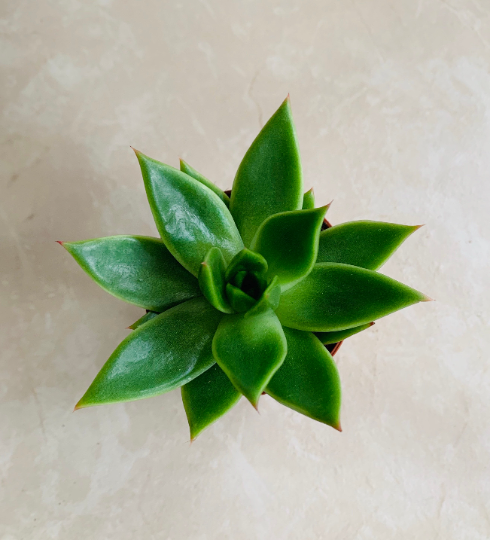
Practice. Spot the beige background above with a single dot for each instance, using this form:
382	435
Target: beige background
392	105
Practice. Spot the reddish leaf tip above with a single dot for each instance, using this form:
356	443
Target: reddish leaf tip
59	242
338	427
372	323
428	299
137	152
417	227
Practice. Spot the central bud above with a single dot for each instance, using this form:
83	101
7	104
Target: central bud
244	284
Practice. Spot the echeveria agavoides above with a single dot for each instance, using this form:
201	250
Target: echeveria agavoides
242	293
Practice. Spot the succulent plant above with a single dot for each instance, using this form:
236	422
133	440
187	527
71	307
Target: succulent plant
242	292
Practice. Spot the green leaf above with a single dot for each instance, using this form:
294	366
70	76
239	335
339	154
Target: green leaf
327	338
340	296
187	169
163	354
137	269
309	200
289	243
246	260
308	381
189	217
269	178
250	349
212	280
148	316
207	398
367	244
239	300
269	300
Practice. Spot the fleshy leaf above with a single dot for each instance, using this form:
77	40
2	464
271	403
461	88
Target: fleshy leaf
327	338
340	296
367	244
250	349
163	354
137	269
187	169
309	200
270	298
269	178
212	280
308	381
190	218
207	398
246	260
289	243
148	316
239	300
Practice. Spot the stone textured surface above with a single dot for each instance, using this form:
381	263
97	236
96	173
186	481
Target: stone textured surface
392	105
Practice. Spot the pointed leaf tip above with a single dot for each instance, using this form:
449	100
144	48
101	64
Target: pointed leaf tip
427	299
59	242
338	427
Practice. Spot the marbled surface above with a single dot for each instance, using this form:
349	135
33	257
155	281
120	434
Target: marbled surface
392	105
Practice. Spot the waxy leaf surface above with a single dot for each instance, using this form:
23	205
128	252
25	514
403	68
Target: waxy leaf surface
308	380
367	244
327	338
137	269
187	169
289	243
207	398
340	296
250	349
269	178
190	218
212	280
163	354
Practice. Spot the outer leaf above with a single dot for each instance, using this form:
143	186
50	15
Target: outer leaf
148	316
163	354
212	280
207	398
269	178
289	243
239	300
190	218
250	350
137	269
339	296
327	338
308	380
187	169
309	200
367	244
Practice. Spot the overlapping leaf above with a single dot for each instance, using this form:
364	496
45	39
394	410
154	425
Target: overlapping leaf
339	296
187	169
327	338
190	218
163	354
250	349
207	398
308	381
367	244
269	178
289	243
137	269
